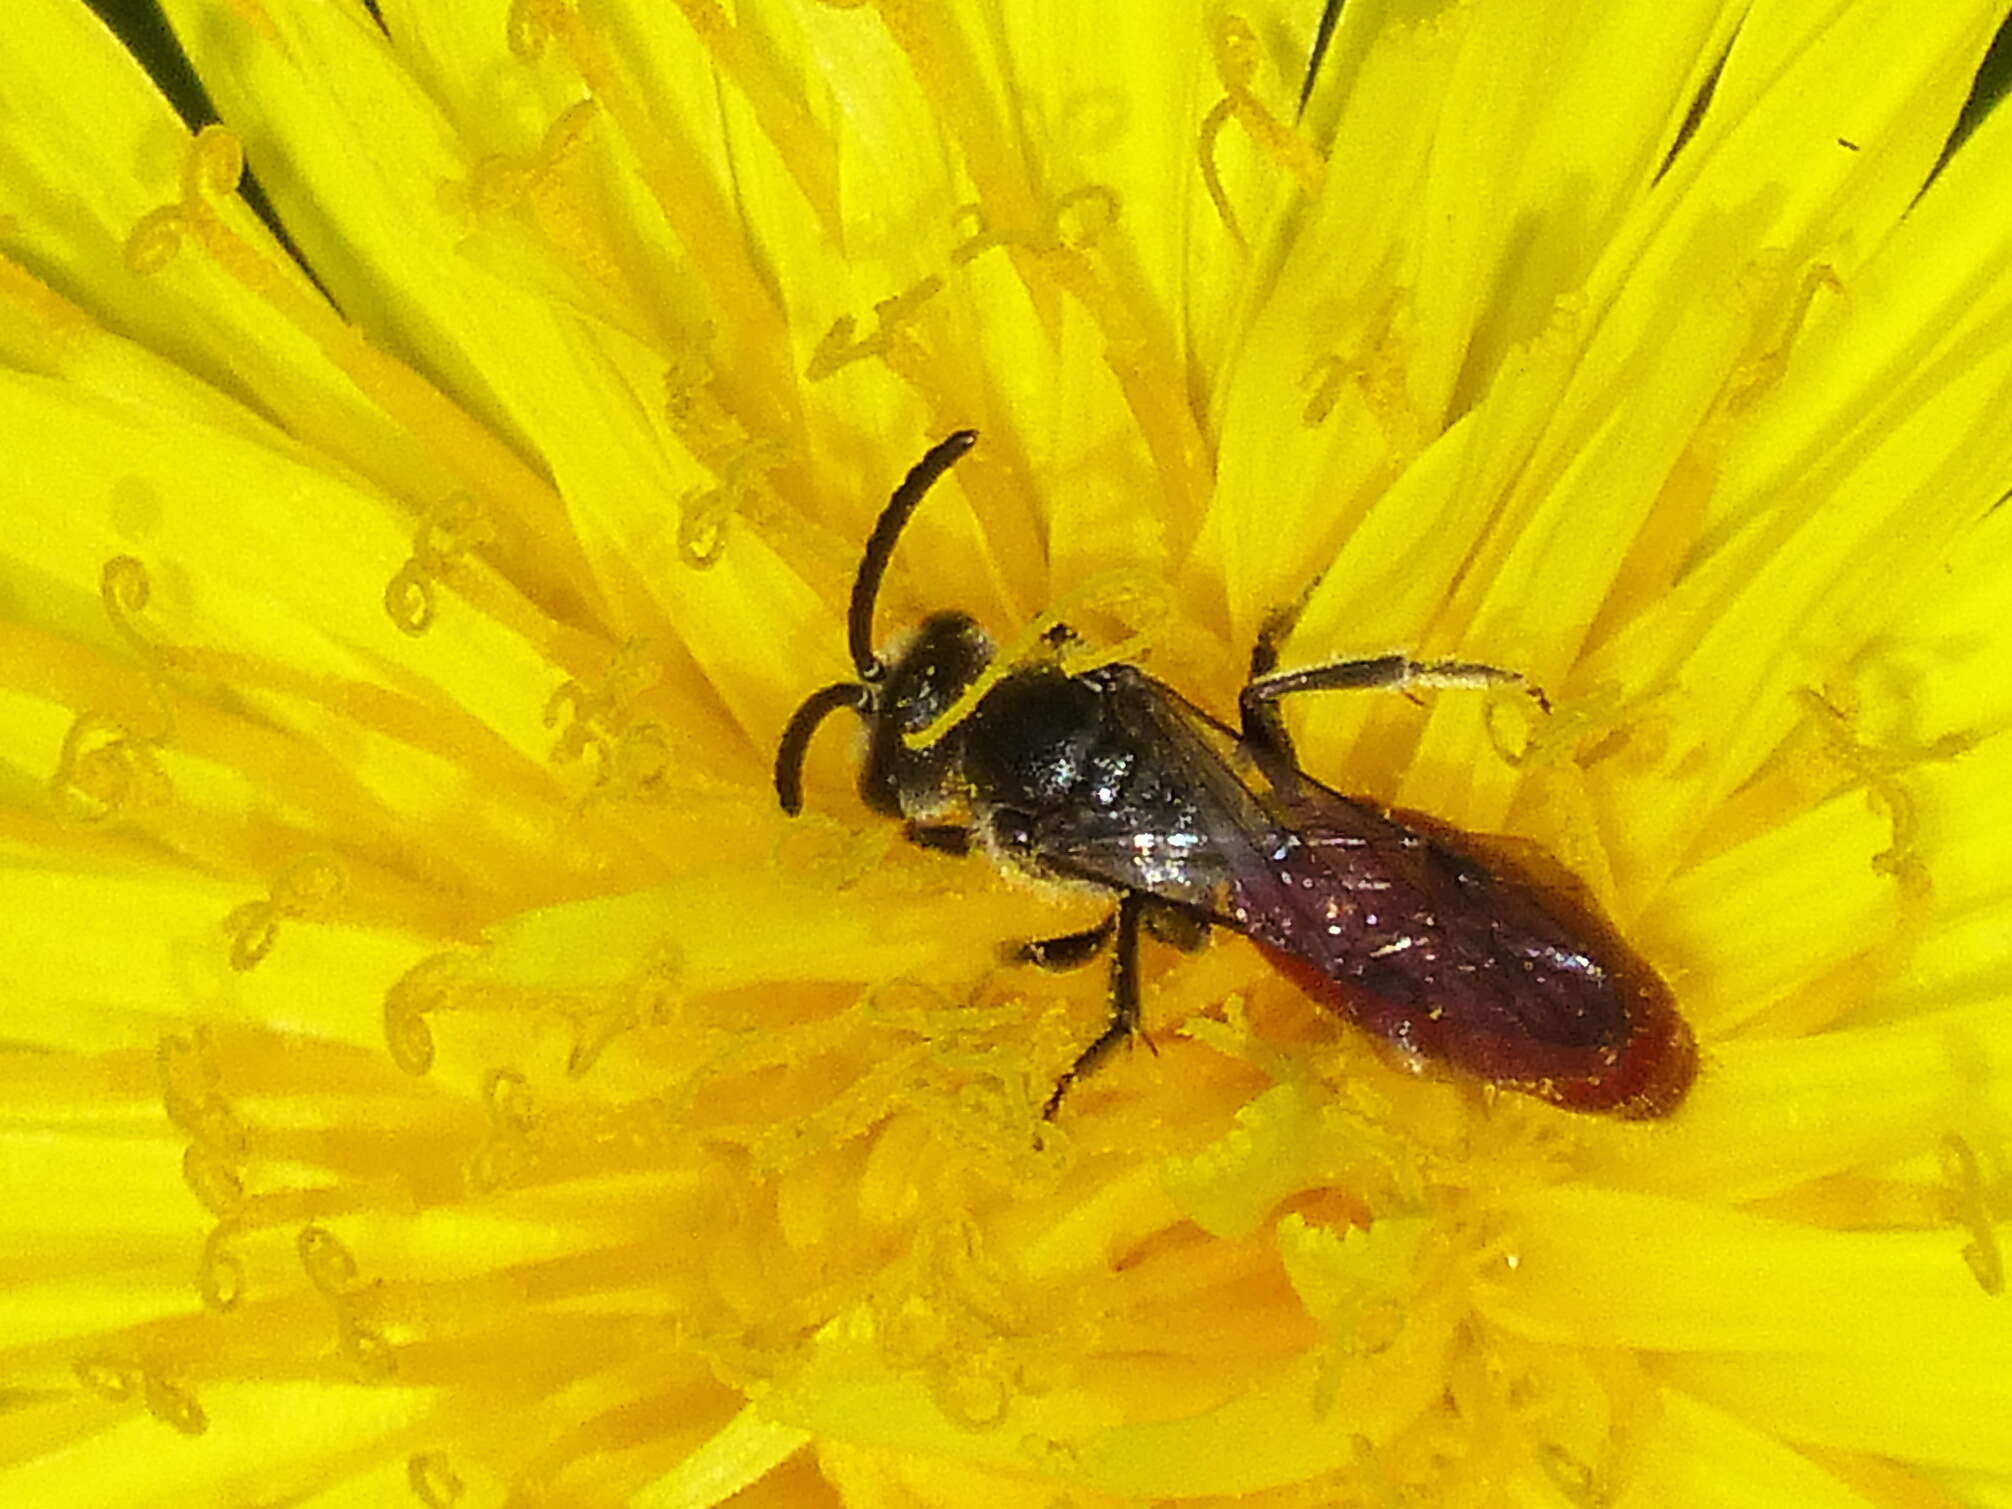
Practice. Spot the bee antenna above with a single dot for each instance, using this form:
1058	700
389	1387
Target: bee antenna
879	547
795	742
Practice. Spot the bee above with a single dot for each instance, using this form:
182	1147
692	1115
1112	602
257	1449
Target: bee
1467	952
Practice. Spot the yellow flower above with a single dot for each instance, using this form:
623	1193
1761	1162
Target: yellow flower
436	1069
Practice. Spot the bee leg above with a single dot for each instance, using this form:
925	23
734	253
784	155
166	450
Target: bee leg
944	838
1175	926
1070	951
1124	1001
1264	730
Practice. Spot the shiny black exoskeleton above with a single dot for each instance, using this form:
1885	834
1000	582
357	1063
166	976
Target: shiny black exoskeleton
1457	949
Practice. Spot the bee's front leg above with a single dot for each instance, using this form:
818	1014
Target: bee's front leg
944	838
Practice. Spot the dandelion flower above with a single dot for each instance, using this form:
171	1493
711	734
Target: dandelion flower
437	1071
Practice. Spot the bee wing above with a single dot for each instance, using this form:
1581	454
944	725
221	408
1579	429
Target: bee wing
1192	819
1429	932
1456	948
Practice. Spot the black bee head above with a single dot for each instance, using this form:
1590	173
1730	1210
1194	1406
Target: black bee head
948	653
946	656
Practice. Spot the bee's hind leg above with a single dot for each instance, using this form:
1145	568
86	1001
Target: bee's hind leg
1264	730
